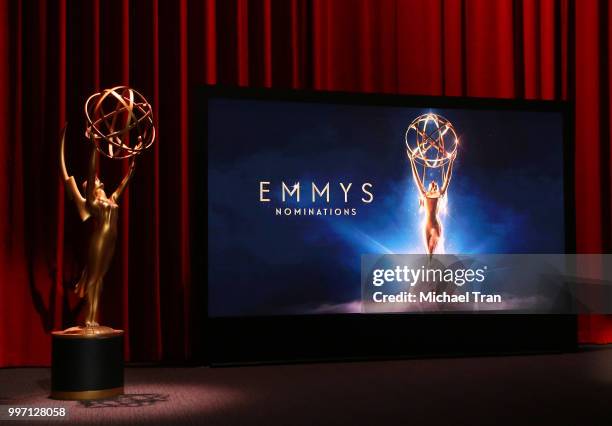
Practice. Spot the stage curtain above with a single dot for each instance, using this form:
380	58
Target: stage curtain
54	53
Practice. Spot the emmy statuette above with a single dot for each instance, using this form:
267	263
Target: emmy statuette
431	145
87	360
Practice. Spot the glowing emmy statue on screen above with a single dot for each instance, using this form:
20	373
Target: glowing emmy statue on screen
431	145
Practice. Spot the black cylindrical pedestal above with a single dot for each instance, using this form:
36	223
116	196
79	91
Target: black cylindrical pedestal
87	366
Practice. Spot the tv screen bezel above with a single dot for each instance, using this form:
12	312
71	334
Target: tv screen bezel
283	338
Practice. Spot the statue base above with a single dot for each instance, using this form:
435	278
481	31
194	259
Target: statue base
86	363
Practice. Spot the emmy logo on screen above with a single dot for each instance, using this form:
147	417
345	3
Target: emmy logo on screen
431	145
88	360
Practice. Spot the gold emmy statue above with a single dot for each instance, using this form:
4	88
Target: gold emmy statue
87	361
431	145
119	126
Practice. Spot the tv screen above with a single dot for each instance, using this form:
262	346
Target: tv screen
327	212
300	188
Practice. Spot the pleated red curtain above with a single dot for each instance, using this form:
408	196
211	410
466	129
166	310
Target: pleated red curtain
54	53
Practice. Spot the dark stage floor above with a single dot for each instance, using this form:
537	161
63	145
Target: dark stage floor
568	389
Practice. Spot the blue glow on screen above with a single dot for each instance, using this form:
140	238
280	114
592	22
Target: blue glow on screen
506	196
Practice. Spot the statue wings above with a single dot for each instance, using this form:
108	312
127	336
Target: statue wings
71	185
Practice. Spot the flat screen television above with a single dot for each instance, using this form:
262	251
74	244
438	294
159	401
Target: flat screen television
301	185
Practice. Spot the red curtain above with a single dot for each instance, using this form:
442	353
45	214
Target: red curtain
55	53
